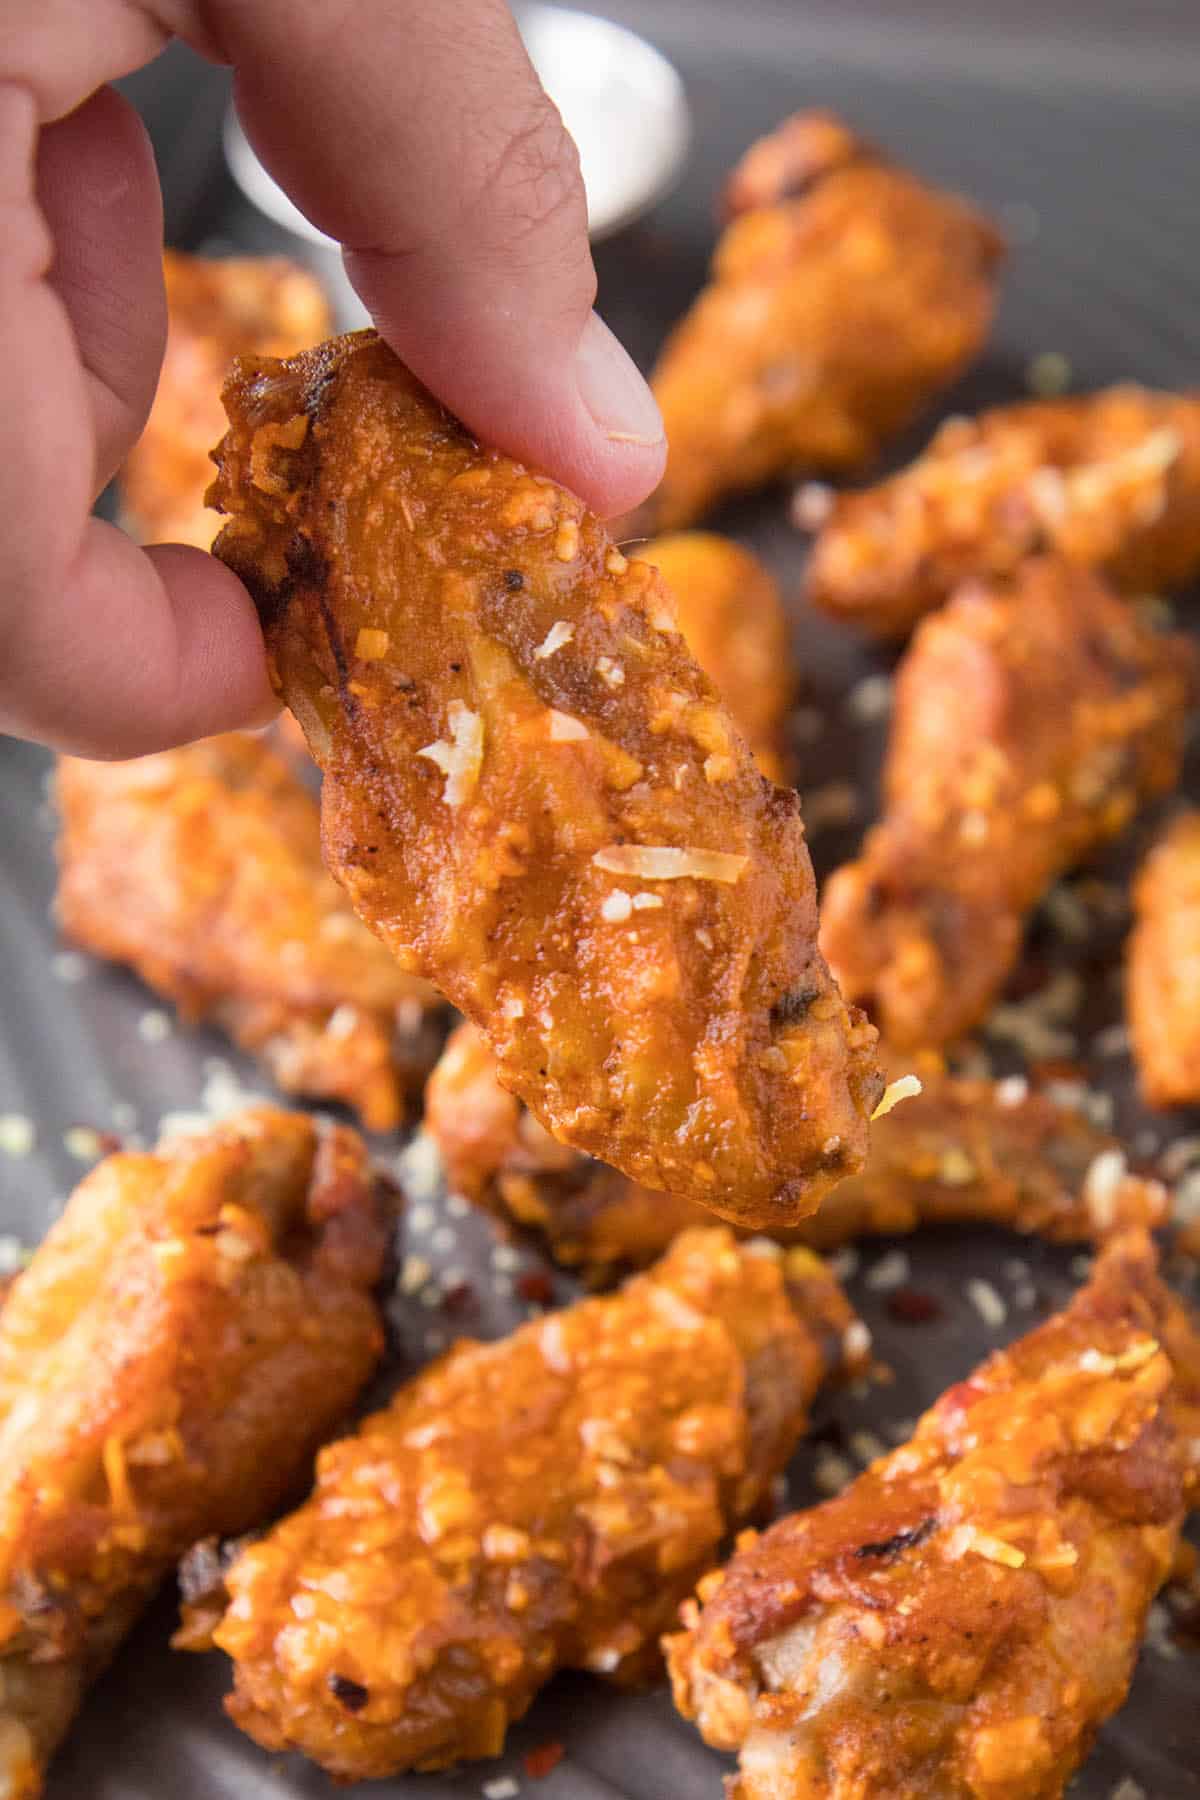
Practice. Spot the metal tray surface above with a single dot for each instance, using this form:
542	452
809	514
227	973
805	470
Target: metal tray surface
1083	158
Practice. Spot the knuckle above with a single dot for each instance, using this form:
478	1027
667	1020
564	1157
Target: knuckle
531	181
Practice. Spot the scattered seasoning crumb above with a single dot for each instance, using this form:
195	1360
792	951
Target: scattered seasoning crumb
870	699
85	1143
867	1447
414	1273
1112	1041
420	1168
457	1207
123	1115
1145	1143
503	1788
1080	1266
832	1472
16	1134
68	965
610	671
1013	1090
812	504
845	1262
808	725
1068	914
616	907
1024	1296
987	1302
1178	1156
420	1219
1128	1789
443	1239
891	1271
1158	1632
541	1761
825	808
856	1341
560	633
1185	1204
12	1254
154	1026
1048	374
429	1297
908	1306
504	1256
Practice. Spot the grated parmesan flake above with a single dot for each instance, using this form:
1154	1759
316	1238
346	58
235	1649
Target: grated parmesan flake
662	862
560	633
460	759
907	1087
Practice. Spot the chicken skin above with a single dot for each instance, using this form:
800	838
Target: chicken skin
1032	719
958	1623
217	308
845	293
194	1324
959	1150
533	793
731	615
1163	974
523	1506
201	868
1108	480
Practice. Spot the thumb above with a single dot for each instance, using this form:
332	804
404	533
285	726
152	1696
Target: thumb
425	143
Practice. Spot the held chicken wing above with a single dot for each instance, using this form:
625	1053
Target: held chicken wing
844	295
217	308
1109	480
193	1325
959	1622
538	1503
201	868
1031	720
731	615
1163	974
959	1150
533	793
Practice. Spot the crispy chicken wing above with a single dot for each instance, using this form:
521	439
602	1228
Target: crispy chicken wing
533	793
523	1506
201	868
961	1149
844	295
1163	977
730	612
959	1622
1109	480
217	308
1031	720
192	1326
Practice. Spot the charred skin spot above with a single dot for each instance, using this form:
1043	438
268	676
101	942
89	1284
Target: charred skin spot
514	581
790	1008
903	1540
350	1694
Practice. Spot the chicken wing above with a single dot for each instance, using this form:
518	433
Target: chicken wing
194	1324
844	295
1163	976
1109	480
538	1503
731	615
959	1622
1031	720
201	868
217	308
961	1149
533	793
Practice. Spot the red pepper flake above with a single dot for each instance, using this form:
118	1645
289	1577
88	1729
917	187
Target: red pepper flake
541	1761
908	1306
457	1298
535	1287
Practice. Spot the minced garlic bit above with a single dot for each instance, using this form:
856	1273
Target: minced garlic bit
560	633
371	645
83	1143
461	759
906	1087
663	862
987	1302
1105	1174
610	671
565	728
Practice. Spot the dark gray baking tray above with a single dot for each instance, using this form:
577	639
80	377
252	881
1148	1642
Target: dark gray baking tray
1083	141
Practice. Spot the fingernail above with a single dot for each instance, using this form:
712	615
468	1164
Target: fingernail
613	390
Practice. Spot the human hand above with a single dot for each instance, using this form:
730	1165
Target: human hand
416	133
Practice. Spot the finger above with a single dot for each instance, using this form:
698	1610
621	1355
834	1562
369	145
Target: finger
98	190
419	136
137	649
